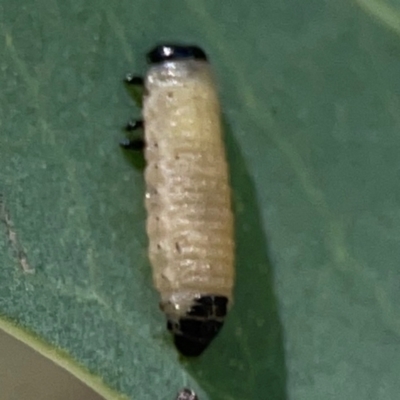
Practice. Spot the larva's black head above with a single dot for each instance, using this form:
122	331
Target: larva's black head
173	52
186	394
194	332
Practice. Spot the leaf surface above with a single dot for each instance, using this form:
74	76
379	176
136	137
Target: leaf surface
310	94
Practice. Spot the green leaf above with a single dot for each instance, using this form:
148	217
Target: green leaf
310	93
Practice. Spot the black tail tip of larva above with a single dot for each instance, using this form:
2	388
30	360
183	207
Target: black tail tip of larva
196	336
194	332
173	52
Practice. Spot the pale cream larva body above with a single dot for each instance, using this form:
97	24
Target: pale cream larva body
188	199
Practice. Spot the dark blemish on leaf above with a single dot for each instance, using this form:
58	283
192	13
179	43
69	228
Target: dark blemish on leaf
14	244
178	247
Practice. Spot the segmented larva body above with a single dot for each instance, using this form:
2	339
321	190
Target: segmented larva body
188	197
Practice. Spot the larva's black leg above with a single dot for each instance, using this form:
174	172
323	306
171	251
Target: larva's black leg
135	80
135	85
133	144
133	125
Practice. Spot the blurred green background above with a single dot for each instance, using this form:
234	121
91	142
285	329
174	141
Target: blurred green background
310	94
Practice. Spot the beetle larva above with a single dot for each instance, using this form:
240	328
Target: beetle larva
188	197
